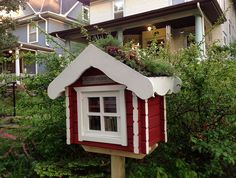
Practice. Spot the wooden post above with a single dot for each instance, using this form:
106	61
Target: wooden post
117	166
14	98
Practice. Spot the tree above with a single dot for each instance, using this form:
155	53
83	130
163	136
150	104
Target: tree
7	23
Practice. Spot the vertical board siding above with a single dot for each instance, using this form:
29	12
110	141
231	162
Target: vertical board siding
67	117
135	123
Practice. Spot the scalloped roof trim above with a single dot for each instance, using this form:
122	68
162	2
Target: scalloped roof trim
144	87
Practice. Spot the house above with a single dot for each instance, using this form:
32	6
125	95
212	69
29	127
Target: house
34	21
170	21
110	107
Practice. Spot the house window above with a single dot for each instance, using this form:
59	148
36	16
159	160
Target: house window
85	13
33	33
101	114
177	1
118	9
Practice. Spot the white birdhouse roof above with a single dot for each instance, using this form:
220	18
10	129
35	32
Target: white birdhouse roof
144	87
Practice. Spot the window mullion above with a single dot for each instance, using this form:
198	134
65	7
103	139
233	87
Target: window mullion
102	115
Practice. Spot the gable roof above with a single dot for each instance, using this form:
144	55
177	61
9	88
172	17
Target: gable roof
144	87
55	6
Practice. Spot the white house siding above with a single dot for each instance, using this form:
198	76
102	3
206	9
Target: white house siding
101	11
231	21
221	33
138	6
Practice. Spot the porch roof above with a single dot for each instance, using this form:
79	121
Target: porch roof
30	47
167	15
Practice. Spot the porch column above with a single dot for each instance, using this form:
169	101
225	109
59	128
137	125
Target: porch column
120	36
168	36
17	62
68	45
199	33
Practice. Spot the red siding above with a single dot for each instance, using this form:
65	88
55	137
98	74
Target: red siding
142	129
156	120
74	118
73	114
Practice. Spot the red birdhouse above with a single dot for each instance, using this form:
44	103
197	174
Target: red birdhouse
110	107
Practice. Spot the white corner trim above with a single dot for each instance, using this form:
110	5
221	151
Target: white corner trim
146	126
165	120
67	117
115	70
135	124
28	27
124	136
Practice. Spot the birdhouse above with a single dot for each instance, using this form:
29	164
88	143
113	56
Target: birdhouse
110	107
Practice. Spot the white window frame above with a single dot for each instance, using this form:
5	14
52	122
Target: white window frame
113	6
85	134
85	8
36	33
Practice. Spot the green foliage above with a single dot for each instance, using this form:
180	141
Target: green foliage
7	23
201	119
201	122
149	61
41	134
109	40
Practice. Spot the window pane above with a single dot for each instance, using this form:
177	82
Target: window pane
109	104
32	28
118	15
32	37
110	124
85	14
30	68
118	5
94	123
93	104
